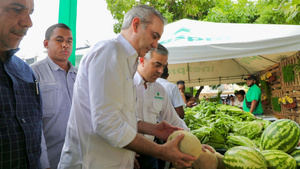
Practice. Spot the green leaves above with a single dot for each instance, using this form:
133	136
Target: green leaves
226	11
212	123
288	73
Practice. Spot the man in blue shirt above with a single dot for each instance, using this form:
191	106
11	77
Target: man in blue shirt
56	77
20	107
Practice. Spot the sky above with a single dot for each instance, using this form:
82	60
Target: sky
94	23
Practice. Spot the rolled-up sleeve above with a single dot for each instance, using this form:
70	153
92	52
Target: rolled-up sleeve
107	79
177	100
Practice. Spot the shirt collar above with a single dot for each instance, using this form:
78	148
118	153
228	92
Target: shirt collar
131	54
55	67
138	80
10	53
161	79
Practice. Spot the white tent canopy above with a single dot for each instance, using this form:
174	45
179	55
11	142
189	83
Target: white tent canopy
205	53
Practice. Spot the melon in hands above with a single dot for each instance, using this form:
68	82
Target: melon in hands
190	144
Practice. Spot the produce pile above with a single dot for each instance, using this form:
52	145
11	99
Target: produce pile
251	143
223	126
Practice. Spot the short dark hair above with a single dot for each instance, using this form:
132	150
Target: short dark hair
242	92
180	82
165	74
50	30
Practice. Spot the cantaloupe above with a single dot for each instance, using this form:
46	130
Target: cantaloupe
190	144
207	160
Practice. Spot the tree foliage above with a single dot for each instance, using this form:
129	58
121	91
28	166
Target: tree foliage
229	11
172	10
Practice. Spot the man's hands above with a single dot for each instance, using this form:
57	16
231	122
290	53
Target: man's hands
208	147
171	152
163	129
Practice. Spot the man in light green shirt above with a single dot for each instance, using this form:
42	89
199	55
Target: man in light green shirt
252	101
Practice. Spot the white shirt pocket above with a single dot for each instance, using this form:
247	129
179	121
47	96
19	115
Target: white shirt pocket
49	93
155	110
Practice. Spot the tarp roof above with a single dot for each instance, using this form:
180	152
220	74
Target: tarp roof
206	53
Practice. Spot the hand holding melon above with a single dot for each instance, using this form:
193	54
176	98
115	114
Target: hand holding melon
190	144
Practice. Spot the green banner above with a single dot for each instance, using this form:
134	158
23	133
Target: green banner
68	16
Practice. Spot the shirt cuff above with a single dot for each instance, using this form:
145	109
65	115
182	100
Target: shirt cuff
128	136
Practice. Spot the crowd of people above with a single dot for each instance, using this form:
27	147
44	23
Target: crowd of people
104	115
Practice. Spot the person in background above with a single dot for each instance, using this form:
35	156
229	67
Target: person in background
252	101
181	87
239	98
153	103
231	100
172	91
191	101
20	103
56	76
102	131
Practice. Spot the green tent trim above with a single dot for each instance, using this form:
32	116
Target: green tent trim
68	16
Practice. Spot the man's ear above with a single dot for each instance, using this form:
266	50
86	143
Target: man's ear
135	23
142	60
46	43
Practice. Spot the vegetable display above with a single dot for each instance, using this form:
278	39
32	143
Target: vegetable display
213	123
249	142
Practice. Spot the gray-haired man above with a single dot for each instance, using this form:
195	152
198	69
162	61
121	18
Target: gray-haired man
102	130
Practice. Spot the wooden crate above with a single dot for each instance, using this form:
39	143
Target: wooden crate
275	70
279	88
278	94
275	86
294	93
287	61
291	116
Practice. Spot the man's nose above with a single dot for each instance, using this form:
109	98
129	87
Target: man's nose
154	44
26	21
65	44
161	70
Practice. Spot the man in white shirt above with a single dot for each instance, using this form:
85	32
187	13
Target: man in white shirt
173	92
102	131
153	103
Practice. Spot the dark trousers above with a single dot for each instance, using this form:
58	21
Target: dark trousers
147	162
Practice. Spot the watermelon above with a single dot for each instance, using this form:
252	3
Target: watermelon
277	159
233	141
242	157
296	155
282	135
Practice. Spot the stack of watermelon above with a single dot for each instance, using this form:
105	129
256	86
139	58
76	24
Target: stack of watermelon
277	140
